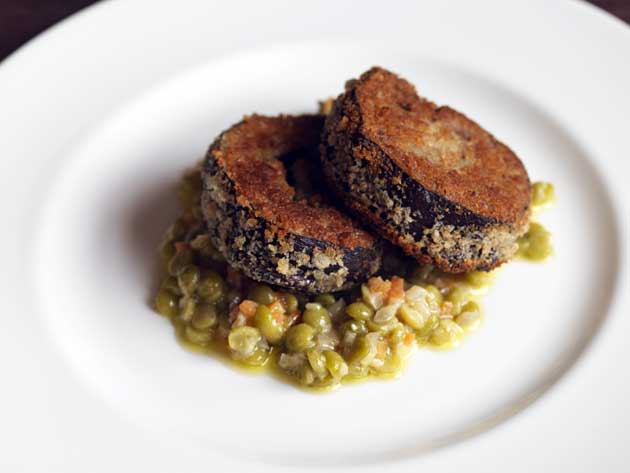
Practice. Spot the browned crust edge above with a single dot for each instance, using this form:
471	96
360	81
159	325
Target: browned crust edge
442	149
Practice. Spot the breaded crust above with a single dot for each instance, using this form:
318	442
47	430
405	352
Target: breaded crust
259	225
425	177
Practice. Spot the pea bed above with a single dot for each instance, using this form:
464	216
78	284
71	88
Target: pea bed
319	342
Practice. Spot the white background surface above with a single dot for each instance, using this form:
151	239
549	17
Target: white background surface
100	112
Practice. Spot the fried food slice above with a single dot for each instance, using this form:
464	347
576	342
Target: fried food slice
425	177
255	219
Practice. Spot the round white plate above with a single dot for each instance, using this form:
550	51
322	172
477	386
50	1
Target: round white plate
101	114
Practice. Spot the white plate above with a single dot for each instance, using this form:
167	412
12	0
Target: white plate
100	114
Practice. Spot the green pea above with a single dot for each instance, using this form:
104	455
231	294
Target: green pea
325	299
205	317
167	251
200	242
305	375
411	317
270	328
317	362
211	287
471	306
479	279
335	364
182	258
357	326
383	327
358	371
290	302
262	294
317	317
258	358
536	244
187	308
458	296
176	231
359	311
363	351
428	327
447	333
198	337
539	246
470	317
543	193
170	283
391	365
166	303
203	244
188	279
243	340
435	293
300	338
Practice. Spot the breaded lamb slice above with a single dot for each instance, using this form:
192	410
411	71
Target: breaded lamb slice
427	178
259	224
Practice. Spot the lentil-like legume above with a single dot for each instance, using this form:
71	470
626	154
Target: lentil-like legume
536	244
320	342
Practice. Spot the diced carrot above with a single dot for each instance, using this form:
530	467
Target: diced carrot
181	245
277	310
234	314
409	338
447	308
397	289
248	308
380	286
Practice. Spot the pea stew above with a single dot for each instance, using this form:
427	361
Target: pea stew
320	341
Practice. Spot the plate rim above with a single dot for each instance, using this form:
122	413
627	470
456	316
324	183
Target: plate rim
39	42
